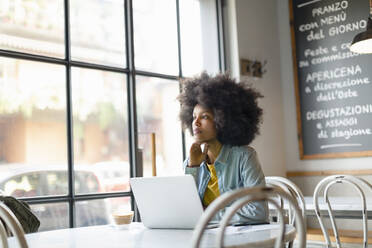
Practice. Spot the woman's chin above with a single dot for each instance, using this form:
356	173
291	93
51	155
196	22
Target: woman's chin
199	139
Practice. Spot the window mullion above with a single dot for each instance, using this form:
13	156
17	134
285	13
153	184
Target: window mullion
220	30
131	93
180	69
69	118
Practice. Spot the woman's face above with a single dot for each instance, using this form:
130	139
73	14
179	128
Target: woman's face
203	127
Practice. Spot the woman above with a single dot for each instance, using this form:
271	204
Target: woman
224	117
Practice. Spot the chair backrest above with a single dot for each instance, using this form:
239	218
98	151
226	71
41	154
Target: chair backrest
3	232
292	189
241	197
3	235
10	220
359	184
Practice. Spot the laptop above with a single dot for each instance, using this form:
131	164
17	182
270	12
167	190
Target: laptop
167	202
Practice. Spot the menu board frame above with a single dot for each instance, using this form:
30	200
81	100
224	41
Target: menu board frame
302	140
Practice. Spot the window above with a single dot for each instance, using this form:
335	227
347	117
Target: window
155	36
199	29
72	97
157	113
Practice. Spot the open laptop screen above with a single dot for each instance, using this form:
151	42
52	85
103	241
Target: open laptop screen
167	202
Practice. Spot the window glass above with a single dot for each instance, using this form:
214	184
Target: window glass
26	185
155	36
32	26
98	212
40	181
92	212
189	139
57	182
199	37
52	216
100	130
98	31
158	113
32	124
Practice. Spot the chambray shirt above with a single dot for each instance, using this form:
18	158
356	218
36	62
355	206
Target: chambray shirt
236	167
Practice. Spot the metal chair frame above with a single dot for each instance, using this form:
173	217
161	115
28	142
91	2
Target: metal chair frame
4	236
291	188
243	196
13	224
326	183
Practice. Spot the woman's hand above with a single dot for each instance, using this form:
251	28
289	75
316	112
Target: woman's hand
197	156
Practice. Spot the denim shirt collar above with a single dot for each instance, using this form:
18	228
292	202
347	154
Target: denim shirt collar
223	156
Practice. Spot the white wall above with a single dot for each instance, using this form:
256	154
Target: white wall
252	34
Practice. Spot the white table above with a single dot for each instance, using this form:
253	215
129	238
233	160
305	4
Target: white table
343	207
138	236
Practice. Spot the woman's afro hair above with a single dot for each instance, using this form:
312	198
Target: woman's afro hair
236	114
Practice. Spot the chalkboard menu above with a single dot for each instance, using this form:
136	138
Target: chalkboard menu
333	85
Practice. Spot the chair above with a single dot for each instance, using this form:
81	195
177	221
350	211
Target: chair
3	235
326	183
292	189
8	218
241	197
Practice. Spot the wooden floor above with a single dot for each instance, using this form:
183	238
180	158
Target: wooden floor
318	244
347	236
